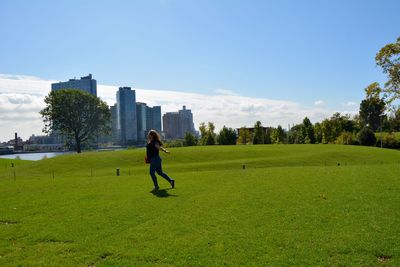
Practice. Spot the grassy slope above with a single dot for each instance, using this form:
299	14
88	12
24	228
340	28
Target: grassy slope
292	205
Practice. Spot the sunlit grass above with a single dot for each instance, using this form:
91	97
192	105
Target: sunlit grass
240	205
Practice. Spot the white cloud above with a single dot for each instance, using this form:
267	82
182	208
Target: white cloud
21	98
351	104
224	92
319	103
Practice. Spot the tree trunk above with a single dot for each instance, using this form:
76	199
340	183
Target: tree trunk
78	143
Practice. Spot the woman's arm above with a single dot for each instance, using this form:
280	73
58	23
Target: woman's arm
161	148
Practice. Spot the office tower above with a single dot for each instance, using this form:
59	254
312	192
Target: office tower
177	124
126	112
148	118
86	84
141	110
153	118
115	136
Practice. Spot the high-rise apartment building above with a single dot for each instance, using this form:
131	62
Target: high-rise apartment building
177	124
147	118
115	136
186	117
153	118
141	120
85	83
171	125
126	113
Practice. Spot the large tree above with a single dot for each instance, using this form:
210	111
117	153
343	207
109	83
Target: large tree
244	136
388	58
307	131
207	134
372	107
227	136
190	139
278	135
76	115
259	135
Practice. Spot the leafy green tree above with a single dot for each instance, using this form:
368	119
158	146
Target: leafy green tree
207	134
210	140
267	136
278	135
333	127
258	135
318	132
307	130
296	134
388	58
190	139
372	107
77	115
244	137
227	136
394	120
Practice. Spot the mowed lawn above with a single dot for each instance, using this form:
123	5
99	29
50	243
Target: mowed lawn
267	205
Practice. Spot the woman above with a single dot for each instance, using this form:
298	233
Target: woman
153	147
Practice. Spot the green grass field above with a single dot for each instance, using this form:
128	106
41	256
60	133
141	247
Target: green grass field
292	205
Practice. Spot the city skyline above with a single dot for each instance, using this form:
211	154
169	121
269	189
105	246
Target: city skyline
20	111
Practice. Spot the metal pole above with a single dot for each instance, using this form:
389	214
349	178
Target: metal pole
381	130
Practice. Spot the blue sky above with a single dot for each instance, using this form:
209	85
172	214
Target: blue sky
301	51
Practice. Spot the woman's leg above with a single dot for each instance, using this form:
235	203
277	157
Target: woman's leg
161	173
153	167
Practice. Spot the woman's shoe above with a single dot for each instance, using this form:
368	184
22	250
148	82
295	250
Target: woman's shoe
155	189
172	183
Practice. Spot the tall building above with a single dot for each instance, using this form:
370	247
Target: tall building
153	118
147	118
85	83
177	124
141	109
171	125
126	113
115	136
186	117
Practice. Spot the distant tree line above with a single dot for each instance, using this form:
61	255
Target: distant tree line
362	129
377	114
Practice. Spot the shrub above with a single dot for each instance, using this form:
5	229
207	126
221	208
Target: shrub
366	137
345	138
174	143
389	141
190	139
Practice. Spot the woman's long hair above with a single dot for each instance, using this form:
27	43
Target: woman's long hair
155	136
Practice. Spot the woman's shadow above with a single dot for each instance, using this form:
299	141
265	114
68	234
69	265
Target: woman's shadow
162	193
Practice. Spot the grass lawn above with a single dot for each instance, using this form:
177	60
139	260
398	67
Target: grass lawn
304	205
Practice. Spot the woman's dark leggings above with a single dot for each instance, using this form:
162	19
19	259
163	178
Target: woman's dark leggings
155	166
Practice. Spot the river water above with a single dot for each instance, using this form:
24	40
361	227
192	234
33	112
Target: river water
34	156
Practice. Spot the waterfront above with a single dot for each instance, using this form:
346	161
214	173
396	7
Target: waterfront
34	156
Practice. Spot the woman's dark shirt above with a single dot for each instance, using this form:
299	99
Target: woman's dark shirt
151	149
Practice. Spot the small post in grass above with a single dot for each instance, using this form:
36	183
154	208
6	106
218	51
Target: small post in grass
243	166
117	172
12	164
